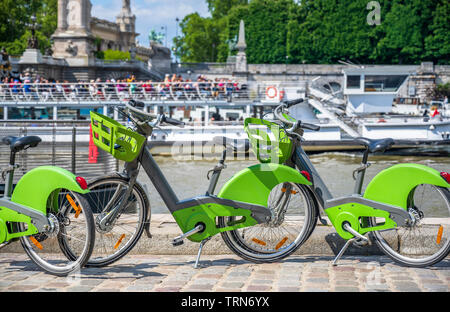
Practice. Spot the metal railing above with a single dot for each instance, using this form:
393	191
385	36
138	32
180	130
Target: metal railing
120	91
62	146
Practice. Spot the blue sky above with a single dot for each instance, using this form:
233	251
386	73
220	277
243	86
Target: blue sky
151	14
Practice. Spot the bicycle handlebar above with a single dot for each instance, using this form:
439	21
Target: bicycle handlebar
295	125
293	102
311	127
172	121
133	105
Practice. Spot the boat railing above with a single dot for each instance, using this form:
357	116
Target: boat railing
151	92
119	91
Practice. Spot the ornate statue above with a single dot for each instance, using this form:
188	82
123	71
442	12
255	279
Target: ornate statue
5	65
156	37
32	41
72	49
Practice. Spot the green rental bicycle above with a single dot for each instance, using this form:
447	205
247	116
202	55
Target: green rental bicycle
122	209
48	212
405	209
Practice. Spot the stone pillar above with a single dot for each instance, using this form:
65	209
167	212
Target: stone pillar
73	39
241	57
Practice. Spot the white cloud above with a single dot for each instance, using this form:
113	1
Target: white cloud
106	9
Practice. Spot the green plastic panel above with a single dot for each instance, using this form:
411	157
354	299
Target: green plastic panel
393	185
353	214
207	214
33	191
253	185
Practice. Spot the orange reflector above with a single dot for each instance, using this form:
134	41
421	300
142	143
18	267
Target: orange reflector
260	242
74	206
36	243
439	236
119	241
281	243
283	190
293	192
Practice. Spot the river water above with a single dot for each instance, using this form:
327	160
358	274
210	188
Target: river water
188	177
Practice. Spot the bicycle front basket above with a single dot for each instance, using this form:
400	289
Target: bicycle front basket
269	142
114	138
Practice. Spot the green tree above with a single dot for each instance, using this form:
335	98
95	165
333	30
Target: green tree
437	42
266	28
201	40
404	30
15	18
320	31
221	8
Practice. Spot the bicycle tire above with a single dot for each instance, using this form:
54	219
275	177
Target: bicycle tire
253	251
420	246
33	245
139	222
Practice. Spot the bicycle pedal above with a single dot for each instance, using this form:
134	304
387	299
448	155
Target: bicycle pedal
360	243
5	244
176	243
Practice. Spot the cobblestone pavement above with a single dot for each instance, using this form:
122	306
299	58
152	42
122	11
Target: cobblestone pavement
228	274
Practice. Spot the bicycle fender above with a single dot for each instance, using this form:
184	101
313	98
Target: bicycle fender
394	185
254	184
35	187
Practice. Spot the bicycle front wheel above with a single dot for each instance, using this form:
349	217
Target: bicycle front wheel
116	240
427	241
72	227
294	216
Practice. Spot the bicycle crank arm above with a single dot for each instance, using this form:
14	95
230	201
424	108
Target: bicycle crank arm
348	228
177	241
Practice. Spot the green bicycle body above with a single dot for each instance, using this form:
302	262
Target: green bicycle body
392	187
206	214
33	191
251	186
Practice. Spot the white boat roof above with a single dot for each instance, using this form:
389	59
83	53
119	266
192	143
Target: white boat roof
381	70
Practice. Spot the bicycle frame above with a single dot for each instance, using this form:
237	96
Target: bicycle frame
203	210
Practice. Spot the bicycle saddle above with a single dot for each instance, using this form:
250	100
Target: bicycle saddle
234	144
376	145
19	144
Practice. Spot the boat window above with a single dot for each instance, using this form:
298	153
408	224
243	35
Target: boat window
353	82
383	83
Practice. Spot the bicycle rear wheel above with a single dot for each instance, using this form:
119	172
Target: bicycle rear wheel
118	239
72	227
294	216
427	241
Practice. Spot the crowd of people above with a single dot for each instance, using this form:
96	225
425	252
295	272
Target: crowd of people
172	87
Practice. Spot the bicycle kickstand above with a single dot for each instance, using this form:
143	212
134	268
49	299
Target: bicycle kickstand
200	252
347	244
348	228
